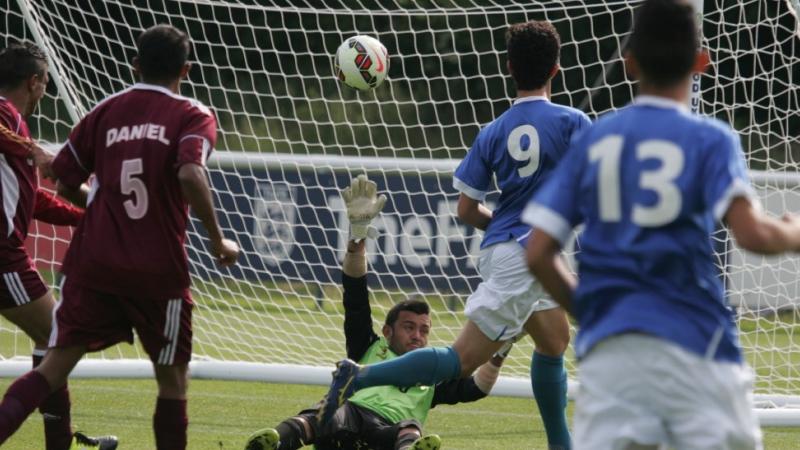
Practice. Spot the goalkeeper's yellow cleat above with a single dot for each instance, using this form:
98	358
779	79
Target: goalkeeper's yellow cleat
266	439
429	442
81	441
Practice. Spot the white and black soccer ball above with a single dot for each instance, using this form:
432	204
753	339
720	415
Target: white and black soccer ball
361	62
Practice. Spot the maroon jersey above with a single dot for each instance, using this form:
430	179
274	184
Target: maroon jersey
18	185
131	239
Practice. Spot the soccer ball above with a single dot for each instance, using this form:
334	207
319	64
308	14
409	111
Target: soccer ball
361	62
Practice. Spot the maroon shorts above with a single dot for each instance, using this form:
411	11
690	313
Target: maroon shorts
98	320
21	287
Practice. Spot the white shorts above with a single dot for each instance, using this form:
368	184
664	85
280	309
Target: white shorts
640	389
508	294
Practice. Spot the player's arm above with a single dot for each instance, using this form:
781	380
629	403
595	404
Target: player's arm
77	196
729	196
50	209
472	179
757	232
358	332
473	212
476	387
547	265
362	205
196	192
15	145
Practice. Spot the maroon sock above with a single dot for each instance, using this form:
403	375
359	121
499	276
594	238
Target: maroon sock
22	397
56	415
169	424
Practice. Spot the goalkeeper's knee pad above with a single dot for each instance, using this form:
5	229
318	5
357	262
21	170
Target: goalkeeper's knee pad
405	441
292	433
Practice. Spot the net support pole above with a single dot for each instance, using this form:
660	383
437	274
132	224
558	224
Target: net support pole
694	87
54	73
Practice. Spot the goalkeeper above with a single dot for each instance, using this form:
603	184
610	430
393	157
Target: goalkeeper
382	417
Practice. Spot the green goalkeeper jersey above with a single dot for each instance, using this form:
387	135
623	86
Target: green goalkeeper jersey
392	403
365	346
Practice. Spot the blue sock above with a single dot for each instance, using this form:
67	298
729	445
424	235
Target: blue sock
425	366
549	381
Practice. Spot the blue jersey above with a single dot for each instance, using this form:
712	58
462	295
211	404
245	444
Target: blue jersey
520	148
650	183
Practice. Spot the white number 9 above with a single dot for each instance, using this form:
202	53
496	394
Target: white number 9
531	154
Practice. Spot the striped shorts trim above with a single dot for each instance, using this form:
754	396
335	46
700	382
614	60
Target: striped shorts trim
21	287
171	329
16	288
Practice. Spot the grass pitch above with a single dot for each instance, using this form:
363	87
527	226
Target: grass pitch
222	414
244	321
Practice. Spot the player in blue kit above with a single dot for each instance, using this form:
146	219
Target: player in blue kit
521	148
658	348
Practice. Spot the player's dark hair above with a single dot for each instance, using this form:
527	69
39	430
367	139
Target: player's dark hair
413	305
19	62
664	41
162	50
533	49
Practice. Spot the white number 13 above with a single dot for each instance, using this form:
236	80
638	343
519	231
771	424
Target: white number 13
609	150
129	184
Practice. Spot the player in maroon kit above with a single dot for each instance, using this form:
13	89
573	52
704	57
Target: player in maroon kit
25	300
127	266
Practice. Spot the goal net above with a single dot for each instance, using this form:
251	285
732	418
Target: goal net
290	136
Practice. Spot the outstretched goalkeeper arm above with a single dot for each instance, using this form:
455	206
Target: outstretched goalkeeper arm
362	206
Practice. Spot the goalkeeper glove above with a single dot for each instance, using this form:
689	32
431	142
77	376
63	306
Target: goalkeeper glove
362	206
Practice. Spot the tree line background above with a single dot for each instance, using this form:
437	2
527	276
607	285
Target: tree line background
265	67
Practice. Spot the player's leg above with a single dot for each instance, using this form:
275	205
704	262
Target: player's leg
83	320
428	442
165	330
170	419
549	329
406	436
31	389
291	434
379	433
409	437
427	366
35	319
474	348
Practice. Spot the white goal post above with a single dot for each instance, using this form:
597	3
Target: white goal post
291	136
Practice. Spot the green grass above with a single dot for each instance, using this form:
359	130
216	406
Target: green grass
223	413
283	323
